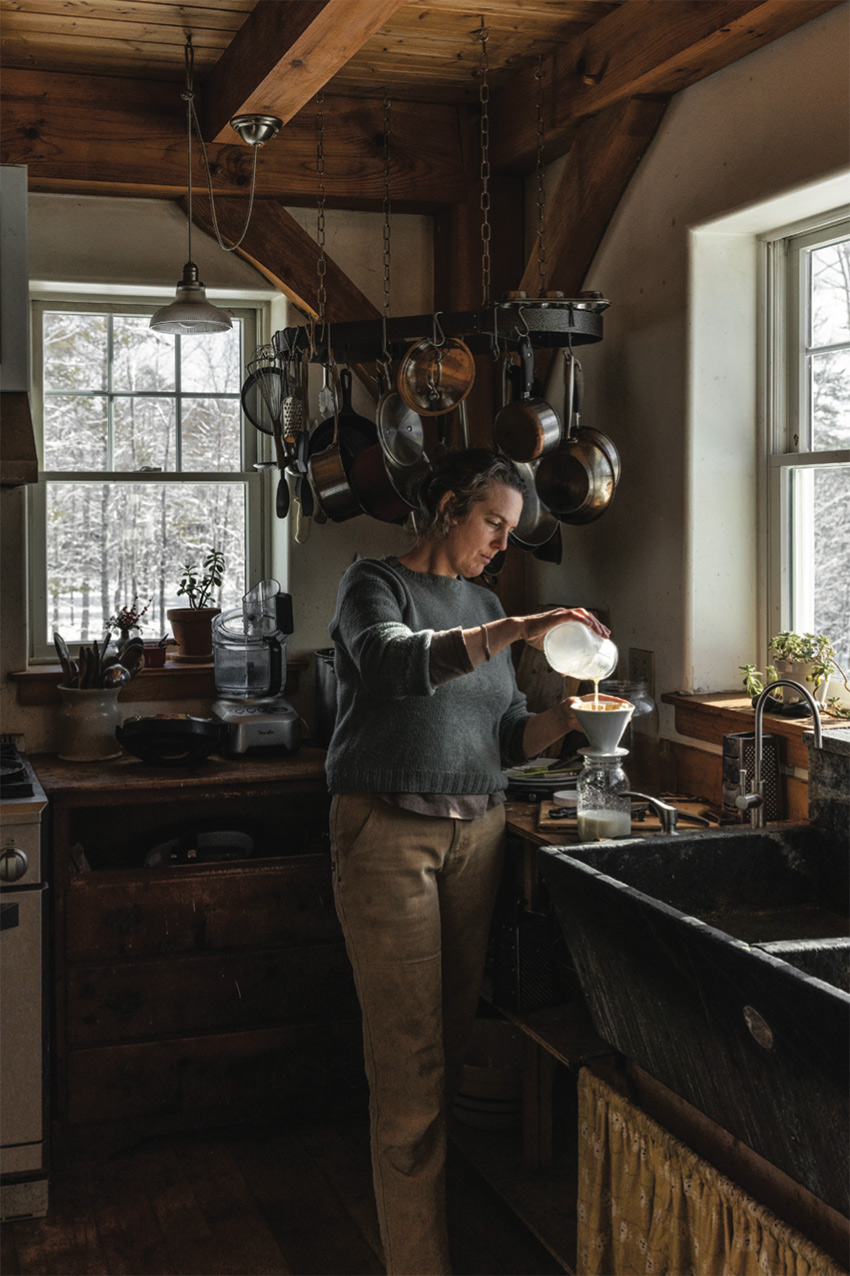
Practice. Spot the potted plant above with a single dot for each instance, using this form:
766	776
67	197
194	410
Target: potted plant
192	625
804	658
128	620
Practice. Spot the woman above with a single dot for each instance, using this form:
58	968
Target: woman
428	712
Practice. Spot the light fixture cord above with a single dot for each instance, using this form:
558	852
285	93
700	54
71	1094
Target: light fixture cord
484	98
193	115
541	185
385	351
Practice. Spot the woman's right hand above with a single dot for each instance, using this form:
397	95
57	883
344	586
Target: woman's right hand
536	627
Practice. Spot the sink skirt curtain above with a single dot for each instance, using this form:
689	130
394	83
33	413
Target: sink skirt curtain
647	1204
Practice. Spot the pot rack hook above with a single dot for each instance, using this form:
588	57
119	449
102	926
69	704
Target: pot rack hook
495	340
524	331
438	343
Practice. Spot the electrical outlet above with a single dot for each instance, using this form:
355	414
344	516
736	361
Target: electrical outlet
642	667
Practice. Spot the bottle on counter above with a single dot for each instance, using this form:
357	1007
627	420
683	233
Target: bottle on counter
604	809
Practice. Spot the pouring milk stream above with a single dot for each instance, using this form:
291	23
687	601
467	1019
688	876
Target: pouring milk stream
574	650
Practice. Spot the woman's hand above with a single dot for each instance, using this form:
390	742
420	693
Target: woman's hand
535	628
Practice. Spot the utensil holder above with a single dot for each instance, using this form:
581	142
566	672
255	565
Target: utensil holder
87	721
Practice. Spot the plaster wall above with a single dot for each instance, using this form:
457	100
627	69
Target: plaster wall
674	559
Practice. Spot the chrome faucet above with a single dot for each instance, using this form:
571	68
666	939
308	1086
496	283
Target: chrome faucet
754	802
667	814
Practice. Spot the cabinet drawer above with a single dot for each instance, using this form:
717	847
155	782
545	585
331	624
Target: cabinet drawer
149	998
229	1074
115	914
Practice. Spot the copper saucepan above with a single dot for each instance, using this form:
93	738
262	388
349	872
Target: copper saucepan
527	428
576	481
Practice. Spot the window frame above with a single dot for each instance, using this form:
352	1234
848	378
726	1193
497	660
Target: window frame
255	317
786	409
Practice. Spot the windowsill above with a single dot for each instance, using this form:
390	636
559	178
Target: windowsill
37	685
711	717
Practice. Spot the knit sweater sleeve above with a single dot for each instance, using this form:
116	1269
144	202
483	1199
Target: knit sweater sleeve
393	660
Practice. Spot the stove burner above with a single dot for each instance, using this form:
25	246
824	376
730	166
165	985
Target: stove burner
15	779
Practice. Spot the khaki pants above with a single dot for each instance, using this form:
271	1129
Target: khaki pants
414	895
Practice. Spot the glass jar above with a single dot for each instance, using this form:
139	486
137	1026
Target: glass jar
644	720
604	809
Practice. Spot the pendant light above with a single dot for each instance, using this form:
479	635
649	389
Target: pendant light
190	313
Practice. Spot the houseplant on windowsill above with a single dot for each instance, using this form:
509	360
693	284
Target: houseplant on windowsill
805	658
192	625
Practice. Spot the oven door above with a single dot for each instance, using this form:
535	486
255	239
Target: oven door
21	1025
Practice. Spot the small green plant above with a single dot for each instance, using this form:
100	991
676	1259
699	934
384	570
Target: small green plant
198	583
816	650
752	679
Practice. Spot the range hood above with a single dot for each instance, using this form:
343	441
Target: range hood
18	453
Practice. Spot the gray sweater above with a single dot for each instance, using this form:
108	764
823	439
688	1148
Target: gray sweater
396	732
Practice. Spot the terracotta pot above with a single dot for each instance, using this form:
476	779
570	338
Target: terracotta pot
192	629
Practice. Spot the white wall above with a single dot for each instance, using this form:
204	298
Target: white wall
674	560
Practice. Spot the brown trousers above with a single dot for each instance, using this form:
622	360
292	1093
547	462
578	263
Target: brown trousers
414	894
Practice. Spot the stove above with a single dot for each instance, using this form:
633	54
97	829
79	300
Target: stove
23	1181
16	777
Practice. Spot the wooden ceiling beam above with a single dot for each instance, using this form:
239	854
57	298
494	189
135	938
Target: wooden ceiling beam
643	47
101	135
605	153
282	251
283	54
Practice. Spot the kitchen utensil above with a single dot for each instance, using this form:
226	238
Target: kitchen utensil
528	427
400	430
114	676
576	481
536	524
577	651
435	375
255	401
69	677
170	739
587	432
329	466
326	394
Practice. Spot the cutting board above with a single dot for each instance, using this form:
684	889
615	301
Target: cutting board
649	824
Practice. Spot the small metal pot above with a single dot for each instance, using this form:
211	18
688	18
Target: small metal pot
528	428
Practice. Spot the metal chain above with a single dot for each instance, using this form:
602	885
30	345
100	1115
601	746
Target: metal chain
541	188
321	265
385	351
189	98
484	96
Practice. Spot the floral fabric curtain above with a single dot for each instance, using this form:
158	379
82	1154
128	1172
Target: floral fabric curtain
647	1204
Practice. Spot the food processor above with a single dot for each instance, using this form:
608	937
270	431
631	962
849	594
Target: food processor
249	659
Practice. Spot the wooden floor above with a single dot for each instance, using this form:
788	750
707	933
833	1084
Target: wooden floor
249	1200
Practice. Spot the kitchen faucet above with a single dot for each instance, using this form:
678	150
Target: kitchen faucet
667	814
754	802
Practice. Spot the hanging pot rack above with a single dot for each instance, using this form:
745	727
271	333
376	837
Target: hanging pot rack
547	322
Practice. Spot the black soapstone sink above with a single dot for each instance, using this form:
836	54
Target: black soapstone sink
719	962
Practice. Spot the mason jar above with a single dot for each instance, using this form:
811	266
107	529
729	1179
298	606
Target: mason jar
604	809
644	720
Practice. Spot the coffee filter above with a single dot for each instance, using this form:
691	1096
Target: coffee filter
604	727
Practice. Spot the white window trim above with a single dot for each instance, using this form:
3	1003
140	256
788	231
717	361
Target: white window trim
259	547
784	403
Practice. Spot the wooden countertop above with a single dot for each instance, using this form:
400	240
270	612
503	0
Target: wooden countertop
127	777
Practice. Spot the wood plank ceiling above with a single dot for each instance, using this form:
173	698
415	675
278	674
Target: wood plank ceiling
91	104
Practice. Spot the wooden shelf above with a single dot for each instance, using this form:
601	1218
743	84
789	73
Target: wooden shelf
711	717
545	1200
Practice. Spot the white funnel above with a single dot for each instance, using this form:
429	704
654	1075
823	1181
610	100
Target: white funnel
605	723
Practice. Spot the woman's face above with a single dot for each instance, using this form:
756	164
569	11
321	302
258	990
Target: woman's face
483	532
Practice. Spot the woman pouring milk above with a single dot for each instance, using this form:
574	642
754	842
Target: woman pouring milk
428	715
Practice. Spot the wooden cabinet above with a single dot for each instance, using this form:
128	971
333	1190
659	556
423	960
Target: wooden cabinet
196	991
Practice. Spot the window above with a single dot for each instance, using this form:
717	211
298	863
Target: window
809	490
145	464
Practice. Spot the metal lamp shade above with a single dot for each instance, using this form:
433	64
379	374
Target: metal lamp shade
190	312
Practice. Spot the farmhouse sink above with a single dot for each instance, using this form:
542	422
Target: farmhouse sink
719	962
